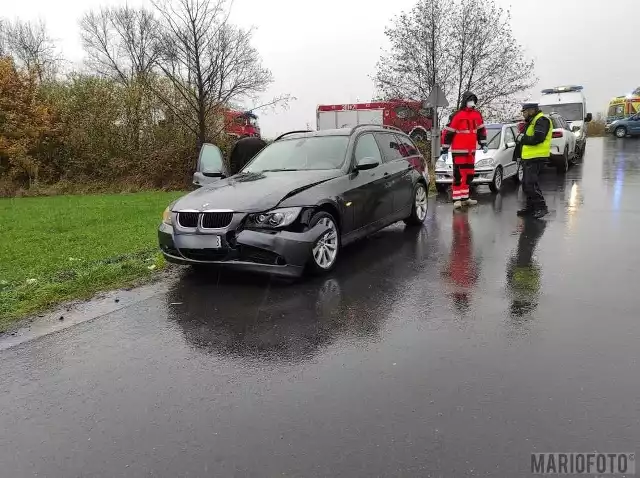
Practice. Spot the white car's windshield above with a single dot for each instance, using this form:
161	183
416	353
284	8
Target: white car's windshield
569	111
493	138
321	152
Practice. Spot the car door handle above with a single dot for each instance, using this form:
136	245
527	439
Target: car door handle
386	174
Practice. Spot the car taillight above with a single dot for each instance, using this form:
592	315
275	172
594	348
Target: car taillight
557	134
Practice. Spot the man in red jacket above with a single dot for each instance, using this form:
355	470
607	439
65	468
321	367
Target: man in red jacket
462	134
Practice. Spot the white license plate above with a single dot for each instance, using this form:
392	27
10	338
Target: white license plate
216	242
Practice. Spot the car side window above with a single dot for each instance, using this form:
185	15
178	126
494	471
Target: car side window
407	148
366	147
554	122
389	145
508	136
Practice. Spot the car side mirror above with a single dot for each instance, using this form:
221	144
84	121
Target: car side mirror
211	162
588	118
575	128
367	163
510	144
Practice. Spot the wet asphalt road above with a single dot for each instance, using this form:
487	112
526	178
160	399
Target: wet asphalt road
407	361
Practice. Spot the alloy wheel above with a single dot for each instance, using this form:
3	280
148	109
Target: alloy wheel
498	179
326	249
421	202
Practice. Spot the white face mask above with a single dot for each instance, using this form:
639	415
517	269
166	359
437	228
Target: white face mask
471	104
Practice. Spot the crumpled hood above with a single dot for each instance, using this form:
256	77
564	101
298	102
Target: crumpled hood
253	192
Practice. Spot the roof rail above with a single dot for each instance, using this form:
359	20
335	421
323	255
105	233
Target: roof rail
377	125
293	132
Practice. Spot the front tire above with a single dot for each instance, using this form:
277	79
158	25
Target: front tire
419	206
325	251
620	132
496	184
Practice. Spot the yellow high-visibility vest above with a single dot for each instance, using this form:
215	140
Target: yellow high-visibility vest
542	150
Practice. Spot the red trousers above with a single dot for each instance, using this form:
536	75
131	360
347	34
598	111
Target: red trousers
463	172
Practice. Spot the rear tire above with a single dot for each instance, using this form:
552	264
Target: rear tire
620	132
326	249
496	183
419	206
563	165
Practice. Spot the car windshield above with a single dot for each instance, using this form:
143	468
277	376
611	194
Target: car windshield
301	154
569	111
493	138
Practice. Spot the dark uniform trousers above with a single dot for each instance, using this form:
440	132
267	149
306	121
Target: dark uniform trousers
531	169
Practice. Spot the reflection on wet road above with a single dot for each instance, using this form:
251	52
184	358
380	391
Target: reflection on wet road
414	358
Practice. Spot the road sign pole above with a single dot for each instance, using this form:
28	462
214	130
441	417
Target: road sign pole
435	138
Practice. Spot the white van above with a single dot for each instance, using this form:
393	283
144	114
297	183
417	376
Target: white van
570	103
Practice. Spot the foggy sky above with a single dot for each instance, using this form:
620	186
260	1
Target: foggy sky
325	52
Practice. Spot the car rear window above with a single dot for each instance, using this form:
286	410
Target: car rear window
301	154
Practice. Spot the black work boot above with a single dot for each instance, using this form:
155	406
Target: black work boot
540	213
527	211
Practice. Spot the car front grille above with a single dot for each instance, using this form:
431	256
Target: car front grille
188	219
210	220
216	220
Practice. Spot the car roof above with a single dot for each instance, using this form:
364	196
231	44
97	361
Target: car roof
339	132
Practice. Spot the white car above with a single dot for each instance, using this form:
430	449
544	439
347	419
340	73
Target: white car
491	168
563	144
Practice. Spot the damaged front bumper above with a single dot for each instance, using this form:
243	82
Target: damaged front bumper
281	253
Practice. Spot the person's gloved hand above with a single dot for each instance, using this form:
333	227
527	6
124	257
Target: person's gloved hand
485	148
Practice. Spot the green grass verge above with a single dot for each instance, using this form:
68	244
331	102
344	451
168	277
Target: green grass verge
55	249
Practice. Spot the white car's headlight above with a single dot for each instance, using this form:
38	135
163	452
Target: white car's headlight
276	217
441	164
484	162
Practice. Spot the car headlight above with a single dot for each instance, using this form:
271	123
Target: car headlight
166	216
276	217
484	162
441	164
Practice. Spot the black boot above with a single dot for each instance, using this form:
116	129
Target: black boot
540	213
527	211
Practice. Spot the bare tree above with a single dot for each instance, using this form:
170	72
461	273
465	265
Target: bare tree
119	45
488	59
461	45
209	61
418	57
32	47
118	42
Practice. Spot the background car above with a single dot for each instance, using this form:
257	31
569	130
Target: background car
298	201
493	167
563	144
625	127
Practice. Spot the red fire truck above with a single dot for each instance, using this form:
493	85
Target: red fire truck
241	124
407	115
